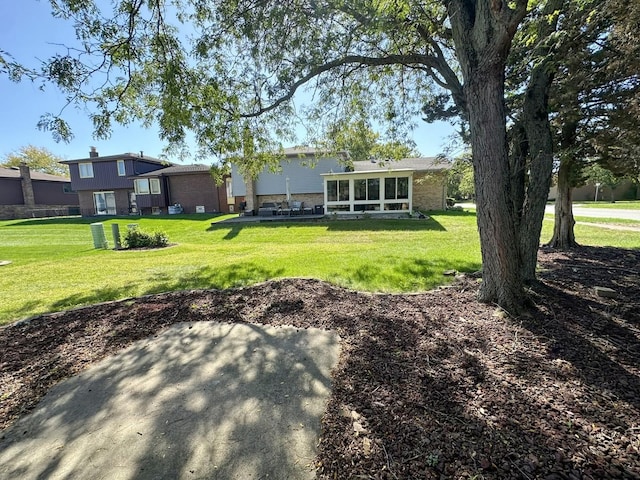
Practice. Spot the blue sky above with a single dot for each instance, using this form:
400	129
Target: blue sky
30	33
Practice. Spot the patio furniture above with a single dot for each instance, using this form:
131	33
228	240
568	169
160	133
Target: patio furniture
268	209
296	208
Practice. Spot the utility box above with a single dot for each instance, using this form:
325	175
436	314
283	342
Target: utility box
99	238
115	231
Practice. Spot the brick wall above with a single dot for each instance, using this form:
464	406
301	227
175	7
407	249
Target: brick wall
9	212
196	189
429	191
309	199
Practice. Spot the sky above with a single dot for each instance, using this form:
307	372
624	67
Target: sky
30	33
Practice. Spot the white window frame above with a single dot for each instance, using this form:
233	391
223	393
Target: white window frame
147	186
138	186
154	186
379	205
85	169
122	171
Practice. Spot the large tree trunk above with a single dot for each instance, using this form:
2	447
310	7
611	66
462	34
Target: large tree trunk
563	236
540	142
502	282
535	120
482	32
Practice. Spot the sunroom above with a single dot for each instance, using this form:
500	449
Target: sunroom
388	191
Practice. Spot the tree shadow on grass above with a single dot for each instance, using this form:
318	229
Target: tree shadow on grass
341	225
206	277
119	218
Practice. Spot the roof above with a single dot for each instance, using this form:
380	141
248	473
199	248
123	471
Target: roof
14	172
418	164
111	158
178	170
310	151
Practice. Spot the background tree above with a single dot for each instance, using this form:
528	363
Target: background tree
460	183
595	99
595	174
38	159
362	142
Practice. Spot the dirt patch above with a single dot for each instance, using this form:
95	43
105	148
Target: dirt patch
434	385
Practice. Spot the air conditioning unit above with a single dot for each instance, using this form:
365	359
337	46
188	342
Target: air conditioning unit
199	208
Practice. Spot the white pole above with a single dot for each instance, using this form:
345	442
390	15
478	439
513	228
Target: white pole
597	187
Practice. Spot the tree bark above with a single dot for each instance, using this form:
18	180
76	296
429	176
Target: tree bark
540	142
501	282
563	235
482	32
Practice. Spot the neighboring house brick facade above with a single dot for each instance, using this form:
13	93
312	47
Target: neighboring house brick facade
27	194
190	186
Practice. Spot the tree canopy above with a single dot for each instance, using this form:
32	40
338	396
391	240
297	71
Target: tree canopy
230	73
38	159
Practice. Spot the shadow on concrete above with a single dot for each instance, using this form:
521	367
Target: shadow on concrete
201	400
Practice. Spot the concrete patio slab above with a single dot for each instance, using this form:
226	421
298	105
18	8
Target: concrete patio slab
201	400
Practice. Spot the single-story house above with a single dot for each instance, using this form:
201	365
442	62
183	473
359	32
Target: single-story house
131	183
27	194
340	186
392	186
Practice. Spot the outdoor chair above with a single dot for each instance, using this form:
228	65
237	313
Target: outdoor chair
296	208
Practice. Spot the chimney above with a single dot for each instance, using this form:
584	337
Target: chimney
93	153
27	186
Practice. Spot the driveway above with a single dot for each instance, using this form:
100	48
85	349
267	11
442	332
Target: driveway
202	400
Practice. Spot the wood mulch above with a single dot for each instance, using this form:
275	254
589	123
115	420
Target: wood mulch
428	386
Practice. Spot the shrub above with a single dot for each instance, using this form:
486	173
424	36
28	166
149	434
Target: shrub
135	238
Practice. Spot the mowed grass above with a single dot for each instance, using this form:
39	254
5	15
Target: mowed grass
618	204
55	267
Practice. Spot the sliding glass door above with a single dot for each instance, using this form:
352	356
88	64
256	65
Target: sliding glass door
105	203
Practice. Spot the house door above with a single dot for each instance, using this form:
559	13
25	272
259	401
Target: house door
105	203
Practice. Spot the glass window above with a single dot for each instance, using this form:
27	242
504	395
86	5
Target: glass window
155	185
142	186
121	170
403	187
373	188
360	189
389	188
332	190
86	170
343	189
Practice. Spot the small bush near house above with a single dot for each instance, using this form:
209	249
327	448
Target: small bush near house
136	238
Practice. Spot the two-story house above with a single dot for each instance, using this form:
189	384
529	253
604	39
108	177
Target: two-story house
105	185
132	183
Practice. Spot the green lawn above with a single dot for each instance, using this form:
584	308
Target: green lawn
55	267
619	204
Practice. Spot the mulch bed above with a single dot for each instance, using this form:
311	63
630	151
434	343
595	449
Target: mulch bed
428	386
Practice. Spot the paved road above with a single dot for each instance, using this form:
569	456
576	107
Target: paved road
579	211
